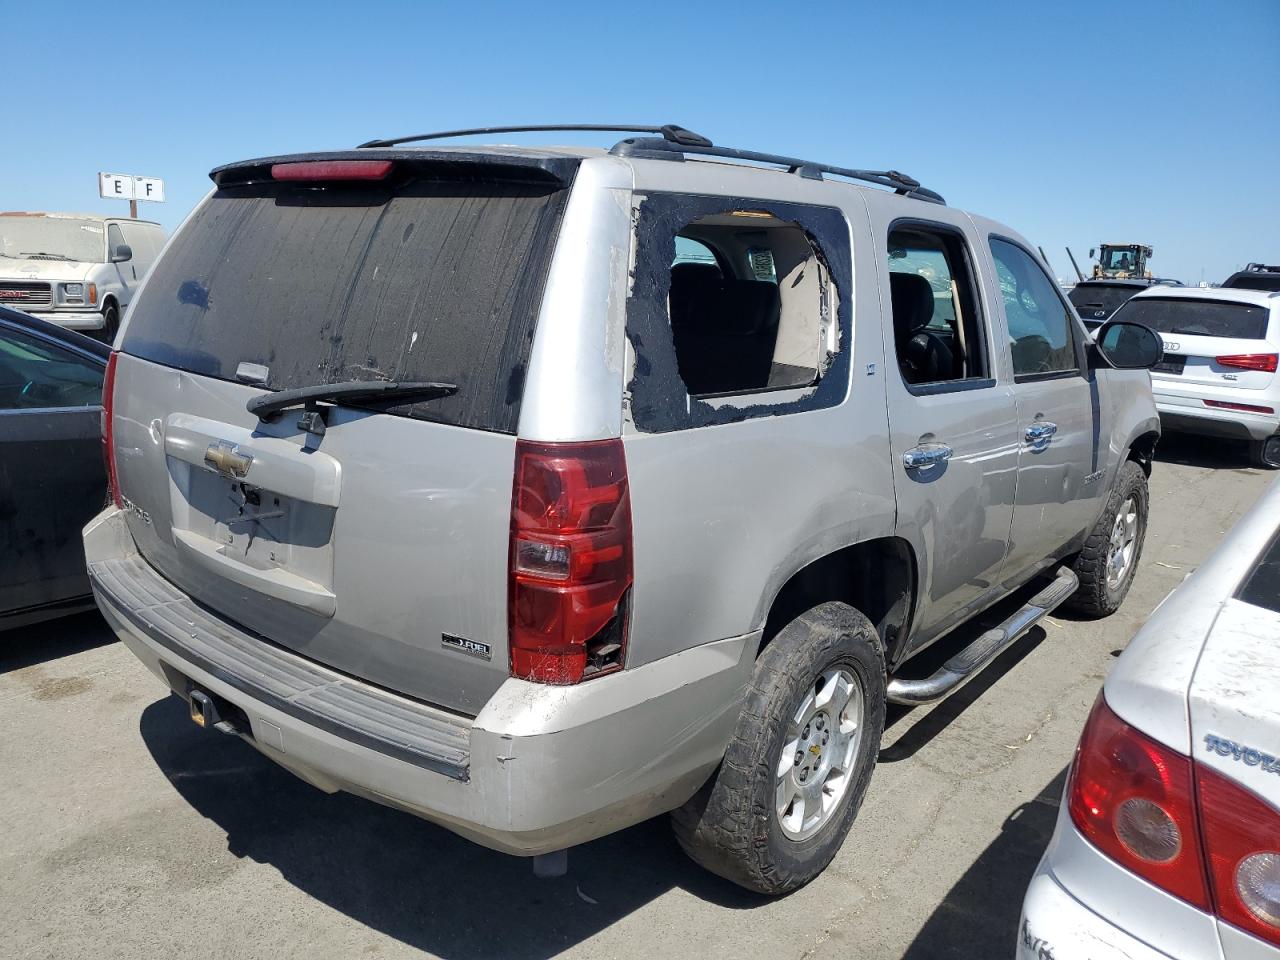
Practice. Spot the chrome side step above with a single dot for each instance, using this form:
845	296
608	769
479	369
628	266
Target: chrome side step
972	659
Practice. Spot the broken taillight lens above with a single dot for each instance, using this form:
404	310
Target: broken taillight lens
570	560
108	438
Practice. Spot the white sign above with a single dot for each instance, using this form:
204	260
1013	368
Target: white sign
122	186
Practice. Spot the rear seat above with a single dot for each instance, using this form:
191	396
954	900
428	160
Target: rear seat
724	330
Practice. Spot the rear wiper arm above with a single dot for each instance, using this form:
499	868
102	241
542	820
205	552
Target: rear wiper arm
269	405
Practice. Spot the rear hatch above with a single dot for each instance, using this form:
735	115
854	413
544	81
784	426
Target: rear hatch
1095	302
368	534
1209	342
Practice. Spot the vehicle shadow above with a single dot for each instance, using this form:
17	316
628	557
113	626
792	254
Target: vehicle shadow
1210	453
410	879
53	639
979	915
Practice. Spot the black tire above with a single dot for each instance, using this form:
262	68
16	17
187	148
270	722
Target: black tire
110	322
1256	458
731	827
1096	597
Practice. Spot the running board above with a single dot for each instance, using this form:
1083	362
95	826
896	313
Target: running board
970	661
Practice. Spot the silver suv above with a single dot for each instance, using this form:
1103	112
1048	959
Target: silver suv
541	491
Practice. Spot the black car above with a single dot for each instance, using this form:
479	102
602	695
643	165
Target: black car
52	478
1097	300
1256	276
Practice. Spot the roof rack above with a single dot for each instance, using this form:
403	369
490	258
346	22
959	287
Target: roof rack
667	150
677	141
671	133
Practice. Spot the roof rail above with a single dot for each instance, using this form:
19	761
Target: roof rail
671	133
654	149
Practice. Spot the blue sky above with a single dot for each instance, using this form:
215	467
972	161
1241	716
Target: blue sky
1074	123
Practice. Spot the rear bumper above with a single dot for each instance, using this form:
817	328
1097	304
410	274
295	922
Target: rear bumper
1188	414
1055	924
541	768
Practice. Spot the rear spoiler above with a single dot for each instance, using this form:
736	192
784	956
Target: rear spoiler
445	164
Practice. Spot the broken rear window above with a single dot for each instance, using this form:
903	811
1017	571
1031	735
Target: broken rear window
429	280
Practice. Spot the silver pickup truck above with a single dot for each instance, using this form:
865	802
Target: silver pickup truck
542	491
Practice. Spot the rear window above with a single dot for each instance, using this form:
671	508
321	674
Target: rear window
1262	588
429	280
1201	318
1100	297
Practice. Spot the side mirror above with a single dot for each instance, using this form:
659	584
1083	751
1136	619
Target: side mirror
1092	251
1129	346
123	253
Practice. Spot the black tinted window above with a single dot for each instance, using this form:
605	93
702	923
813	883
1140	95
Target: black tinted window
1203	318
432	281
1088	298
1262	588
38	375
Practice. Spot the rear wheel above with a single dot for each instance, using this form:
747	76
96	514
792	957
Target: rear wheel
1265	453
803	752
1109	559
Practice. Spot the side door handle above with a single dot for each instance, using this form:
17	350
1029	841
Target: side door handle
1040	433
926	456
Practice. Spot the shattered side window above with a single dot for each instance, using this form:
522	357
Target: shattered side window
751	327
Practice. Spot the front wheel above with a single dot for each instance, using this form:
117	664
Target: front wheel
110	322
803	752
1109	559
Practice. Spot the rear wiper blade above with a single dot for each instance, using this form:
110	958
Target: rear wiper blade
352	391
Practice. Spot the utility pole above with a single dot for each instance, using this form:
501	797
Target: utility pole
133	209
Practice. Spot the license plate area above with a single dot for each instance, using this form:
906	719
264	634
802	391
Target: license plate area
1170	363
257	528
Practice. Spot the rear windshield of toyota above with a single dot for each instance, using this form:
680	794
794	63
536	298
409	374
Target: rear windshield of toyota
1201	318
415	278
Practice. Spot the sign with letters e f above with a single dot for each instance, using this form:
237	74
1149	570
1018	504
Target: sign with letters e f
123	186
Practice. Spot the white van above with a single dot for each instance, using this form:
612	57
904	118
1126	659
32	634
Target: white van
75	269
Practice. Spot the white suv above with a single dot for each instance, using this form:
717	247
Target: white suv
1218	376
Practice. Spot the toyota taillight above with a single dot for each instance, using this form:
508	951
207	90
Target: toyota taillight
1177	824
1266	362
1242	844
570	560
108	441
1134	799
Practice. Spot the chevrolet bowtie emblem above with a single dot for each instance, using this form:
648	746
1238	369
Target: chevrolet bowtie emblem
227	460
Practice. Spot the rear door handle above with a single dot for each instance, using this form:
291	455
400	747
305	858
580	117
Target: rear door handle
926	456
1040	433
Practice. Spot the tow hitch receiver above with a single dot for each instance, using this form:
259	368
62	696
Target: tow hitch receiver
205	713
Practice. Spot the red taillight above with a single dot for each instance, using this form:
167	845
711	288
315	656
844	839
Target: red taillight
570	560
1246	407
332	170
1242	844
1133	799
1266	362
108	442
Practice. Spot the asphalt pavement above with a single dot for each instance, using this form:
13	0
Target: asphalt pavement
126	831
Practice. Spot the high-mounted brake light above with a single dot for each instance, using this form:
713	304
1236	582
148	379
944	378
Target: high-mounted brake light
1133	799
108	439
570	560
1265	362
332	170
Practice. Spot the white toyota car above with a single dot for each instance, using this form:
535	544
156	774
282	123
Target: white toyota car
1221	350
1168	838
